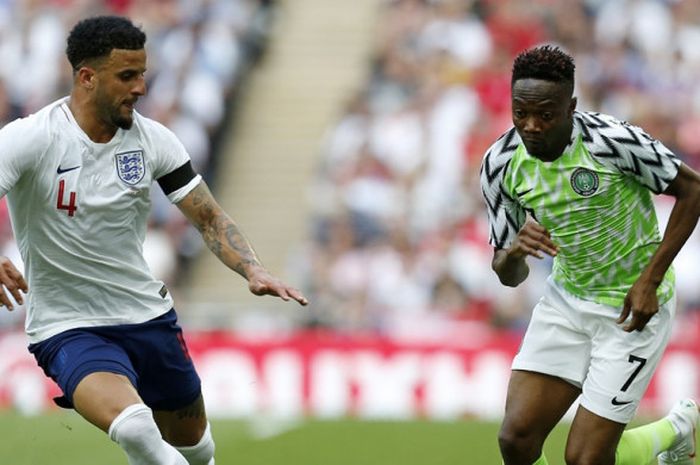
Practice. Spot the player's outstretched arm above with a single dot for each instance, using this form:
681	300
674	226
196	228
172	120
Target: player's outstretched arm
11	280
510	265
641	300
226	241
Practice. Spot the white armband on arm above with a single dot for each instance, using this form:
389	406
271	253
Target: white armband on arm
180	193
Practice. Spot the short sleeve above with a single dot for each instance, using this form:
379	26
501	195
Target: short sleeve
17	154
171	158
505	215
635	153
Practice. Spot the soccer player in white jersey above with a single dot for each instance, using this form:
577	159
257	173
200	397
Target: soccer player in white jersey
77	175
577	186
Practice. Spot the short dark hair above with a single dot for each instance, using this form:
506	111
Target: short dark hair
95	38
546	62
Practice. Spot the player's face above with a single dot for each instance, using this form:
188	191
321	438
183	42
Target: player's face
120	84
543	116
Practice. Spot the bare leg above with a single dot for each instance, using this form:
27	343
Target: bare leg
535	404
187	429
110	402
592	439
183	427
101	396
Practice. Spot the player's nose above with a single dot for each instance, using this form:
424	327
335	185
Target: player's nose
532	126
140	87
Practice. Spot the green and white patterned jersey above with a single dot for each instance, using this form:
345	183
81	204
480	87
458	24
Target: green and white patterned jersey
595	200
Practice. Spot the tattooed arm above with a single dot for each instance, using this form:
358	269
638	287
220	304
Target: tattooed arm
226	241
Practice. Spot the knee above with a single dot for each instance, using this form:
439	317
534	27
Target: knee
188	436
201	453
519	443
133	426
589	457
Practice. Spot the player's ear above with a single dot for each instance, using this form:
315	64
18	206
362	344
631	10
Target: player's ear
572	105
85	77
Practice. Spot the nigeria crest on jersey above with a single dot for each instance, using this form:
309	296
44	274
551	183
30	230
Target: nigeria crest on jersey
584	182
130	166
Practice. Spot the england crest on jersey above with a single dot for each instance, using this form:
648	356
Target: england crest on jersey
130	166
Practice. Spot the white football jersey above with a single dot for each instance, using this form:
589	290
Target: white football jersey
79	211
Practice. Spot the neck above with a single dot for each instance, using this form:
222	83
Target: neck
88	119
559	146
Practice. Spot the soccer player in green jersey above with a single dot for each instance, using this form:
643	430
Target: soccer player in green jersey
577	186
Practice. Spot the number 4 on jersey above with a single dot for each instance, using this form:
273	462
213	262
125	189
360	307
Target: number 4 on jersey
70	207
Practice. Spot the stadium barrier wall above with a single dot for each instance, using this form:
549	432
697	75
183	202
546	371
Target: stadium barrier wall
328	375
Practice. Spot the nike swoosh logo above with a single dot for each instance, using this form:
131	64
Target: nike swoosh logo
620	402
61	171
520	194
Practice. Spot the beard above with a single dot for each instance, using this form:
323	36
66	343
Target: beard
115	114
124	122
120	120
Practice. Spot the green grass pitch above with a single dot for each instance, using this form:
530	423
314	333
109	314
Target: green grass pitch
66	439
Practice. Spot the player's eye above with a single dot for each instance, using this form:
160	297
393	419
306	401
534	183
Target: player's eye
547	116
519	113
129	75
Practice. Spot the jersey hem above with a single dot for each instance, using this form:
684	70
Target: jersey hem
611	302
44	333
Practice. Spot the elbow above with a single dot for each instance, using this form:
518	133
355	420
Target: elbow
510	273
512	277
509	282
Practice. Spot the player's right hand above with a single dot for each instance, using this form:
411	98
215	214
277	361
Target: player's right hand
261	282
13	281
532	239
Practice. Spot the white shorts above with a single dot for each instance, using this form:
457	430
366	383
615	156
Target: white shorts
578	340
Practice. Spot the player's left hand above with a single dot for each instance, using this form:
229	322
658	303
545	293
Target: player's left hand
261	282
11	280
642	303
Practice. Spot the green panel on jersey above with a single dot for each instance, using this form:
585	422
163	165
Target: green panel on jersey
603	221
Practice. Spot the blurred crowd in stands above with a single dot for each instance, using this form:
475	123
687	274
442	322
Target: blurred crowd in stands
399	227
198	53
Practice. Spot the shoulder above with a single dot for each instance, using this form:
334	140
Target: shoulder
164	149
606	133
156	137
595	121
629	149
152	129
498	156
35	131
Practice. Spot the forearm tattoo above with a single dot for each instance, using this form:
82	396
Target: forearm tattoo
221	234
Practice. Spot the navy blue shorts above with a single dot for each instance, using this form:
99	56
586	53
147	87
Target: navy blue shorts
153	355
